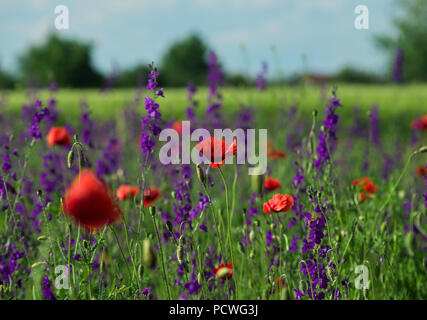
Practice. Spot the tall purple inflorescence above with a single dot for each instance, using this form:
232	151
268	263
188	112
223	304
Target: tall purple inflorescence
151	122
327	135
397	73
39	115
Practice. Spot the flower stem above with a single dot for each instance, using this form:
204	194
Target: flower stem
229	226
165	277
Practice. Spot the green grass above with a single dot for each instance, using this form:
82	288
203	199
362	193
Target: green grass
393	100
359	232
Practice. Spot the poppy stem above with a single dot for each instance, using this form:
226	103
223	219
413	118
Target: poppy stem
165	277
229	225
390	194
121	251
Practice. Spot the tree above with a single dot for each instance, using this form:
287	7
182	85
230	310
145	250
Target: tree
67	62
411	44
185	61
6	80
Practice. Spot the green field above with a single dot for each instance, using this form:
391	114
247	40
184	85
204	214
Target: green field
393	100
383	234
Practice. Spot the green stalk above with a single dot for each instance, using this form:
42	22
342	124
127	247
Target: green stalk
165	277
229	227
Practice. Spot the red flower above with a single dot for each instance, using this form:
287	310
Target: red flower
126	191
59	136
151	196
216	150
177	126
279	203
422	172
272	184
420	123
276	154
224	271
89	202
370	187
366	186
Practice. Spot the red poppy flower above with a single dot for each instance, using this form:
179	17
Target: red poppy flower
177	126
59	136
422	172
272	184
224	271
216	150
279	203
89	202
420	123
151	196
126	191
366	186
370	187
276	154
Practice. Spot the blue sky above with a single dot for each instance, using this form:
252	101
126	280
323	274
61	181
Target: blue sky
242	32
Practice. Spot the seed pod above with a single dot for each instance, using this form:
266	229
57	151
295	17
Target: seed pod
200	174
70	158
148	256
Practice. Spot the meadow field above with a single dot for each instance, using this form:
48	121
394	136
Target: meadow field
339	214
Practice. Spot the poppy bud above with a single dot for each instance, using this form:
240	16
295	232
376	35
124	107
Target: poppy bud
140	271
241	248
252	236
180	250
148	257
257	182
86	244
252	254
173	194
39	193
200	174
199	277
152	210
422	149
36	264
41	238
169	226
